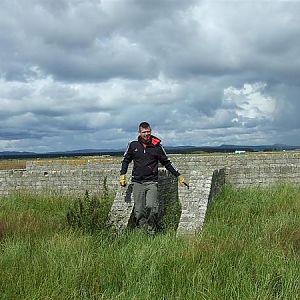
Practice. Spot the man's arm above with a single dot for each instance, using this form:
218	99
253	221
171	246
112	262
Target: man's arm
171	167
165	161
126	160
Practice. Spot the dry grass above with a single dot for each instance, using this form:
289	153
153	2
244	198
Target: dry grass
78	160
11	164
17	164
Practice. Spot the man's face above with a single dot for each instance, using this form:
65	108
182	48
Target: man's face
145	133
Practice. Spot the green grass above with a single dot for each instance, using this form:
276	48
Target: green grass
249	248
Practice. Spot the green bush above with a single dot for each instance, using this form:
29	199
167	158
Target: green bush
90	213
171	215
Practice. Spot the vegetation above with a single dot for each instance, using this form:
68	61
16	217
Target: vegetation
9	164
90	213
249	248
170	215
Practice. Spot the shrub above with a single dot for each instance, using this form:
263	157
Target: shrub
171	215
90	213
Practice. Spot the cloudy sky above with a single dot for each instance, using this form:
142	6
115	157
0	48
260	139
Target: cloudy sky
78	74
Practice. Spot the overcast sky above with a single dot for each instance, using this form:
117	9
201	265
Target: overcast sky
79	74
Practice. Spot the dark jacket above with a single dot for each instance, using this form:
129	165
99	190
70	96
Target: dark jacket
145	160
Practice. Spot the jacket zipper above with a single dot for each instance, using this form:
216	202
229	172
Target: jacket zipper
144	146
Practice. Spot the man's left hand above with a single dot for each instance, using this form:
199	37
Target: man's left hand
182	181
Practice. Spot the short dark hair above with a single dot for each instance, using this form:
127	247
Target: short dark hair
144	125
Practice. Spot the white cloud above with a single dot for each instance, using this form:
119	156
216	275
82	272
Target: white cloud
250	101
83	74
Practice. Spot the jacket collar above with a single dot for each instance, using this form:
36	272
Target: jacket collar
154	141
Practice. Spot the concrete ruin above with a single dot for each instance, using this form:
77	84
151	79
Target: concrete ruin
205	173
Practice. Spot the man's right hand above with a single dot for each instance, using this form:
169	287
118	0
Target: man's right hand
122	180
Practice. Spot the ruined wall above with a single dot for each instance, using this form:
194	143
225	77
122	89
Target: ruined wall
69	176
96	173
205	174
244	169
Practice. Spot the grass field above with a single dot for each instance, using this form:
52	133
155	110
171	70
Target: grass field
249	248
9	164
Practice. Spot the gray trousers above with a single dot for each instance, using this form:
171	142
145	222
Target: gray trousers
145	204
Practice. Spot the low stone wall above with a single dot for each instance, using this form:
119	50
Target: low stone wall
205	173
63	176
77	175
246	169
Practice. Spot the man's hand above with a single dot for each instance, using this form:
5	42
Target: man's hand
182	181
122	180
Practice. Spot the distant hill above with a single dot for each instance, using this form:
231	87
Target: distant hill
170	150
15	153
230	148
274	147
54	154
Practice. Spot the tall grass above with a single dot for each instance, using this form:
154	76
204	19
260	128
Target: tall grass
249	248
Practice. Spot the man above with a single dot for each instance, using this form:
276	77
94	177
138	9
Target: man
145	153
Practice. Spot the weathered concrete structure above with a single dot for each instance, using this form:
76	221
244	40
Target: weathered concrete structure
205	173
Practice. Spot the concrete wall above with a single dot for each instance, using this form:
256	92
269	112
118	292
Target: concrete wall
78	175
70	176
205	173
245	169
208	172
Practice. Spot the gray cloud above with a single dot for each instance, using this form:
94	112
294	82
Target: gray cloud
83	74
